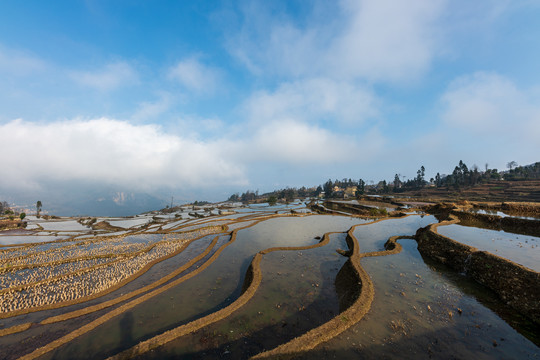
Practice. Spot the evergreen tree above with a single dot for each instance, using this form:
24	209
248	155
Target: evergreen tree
360	188
38	207
328	188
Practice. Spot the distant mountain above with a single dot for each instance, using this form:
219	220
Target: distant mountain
112	204
71	199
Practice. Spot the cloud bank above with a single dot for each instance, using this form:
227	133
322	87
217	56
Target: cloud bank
108	151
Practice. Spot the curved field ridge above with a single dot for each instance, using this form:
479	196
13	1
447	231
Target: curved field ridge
307	341
353	314
251	284
127	296
104	305
101	320
117	286
346	319
361	302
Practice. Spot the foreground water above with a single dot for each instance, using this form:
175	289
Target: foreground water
420	309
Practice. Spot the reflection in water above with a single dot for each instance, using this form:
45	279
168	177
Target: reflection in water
420	309
346	287
522	249
126	328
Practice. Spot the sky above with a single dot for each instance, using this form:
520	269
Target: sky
199	100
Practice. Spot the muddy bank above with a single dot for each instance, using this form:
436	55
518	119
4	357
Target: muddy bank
494	222
363	210
515	284
515	208
11	224
319	209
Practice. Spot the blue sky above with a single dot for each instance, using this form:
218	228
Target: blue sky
203	99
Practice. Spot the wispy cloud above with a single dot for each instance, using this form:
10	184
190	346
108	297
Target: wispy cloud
489	104
373	40
15	62
483	118
152	110
109	77
313	100
298	143
195	76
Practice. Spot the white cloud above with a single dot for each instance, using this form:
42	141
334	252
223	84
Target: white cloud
312	100
484	118
14	62
111	152
151	110
292	142
110	77
295	142
387	40
488	104
195	127
195	76
369	39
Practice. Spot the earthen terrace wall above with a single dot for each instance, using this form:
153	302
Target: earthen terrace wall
517	285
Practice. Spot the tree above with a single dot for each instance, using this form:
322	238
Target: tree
511	165
289	195
22	216
360	188
420	182
385	188
4	206
328	188
38	207
272	200
438	180
397	182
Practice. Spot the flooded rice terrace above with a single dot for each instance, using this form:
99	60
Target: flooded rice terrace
255	282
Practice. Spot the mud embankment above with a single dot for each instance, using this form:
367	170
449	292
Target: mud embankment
516	285
11	224
513	208
494	222
343	208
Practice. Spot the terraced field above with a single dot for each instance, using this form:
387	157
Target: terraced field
264	282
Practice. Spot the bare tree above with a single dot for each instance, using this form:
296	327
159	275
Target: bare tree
511	165
3	207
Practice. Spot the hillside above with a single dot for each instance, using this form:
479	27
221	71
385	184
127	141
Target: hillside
524	190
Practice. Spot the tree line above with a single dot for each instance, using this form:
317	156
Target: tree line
5	209
462	176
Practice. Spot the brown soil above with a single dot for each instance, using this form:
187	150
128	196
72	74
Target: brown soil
523	191
6	224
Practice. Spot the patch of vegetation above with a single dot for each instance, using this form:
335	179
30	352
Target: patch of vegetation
378	212
272	200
